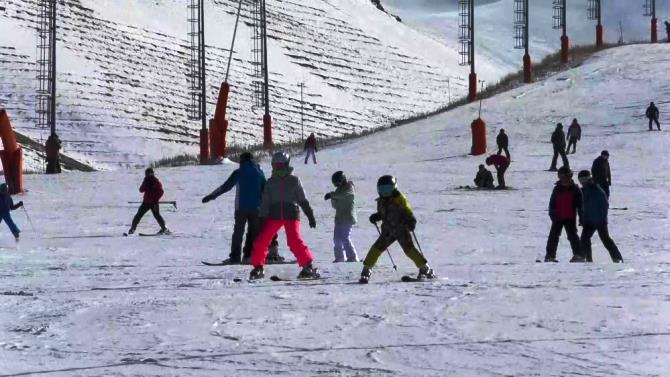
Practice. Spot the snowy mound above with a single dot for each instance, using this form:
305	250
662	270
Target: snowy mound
122	73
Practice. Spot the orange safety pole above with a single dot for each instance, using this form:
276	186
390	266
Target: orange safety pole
11	156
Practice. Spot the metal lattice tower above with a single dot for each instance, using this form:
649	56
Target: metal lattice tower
46	65
257	57
521	24
559	14
594	10
196	66
649	8
465	32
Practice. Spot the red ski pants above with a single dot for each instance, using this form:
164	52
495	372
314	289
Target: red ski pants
294	241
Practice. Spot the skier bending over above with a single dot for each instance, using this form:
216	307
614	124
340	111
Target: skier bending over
153	192
652	114
484	178
565	206
501	164
283	197
343	200
398	224
7	205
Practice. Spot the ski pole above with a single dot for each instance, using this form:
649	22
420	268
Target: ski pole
387	249
418	245
28	217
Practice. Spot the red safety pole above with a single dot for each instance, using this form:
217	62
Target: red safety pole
599	28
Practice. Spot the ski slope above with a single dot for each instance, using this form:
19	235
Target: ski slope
145	306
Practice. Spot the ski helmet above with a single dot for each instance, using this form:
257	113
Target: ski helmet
4	188
281	158
149	171
565	171
246	156
338	178
584	174
386	185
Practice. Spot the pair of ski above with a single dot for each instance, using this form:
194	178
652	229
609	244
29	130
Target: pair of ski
125	234
275	278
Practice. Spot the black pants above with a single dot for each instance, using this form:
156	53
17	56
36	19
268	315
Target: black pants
605	187
607	241
557	152
554	234
53	166
572	142
500	149
251	221
144	208
500	172
651	121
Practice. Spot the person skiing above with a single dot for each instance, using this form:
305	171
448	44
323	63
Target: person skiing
283	197
153	192
565	206
574	135
667	29
501	164
6	206
343	201
595	218
310	148
503	143
652	114
248	181
558	142
398	223
484	178
602	175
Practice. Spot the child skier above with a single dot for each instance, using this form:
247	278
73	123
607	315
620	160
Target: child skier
283	197
343	200
7	205
153	192
398	223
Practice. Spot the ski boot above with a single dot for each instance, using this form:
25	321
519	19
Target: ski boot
365	275
131	231
273	255
550	260
257	273
577	259
308	272
229	261
16	237
246	260
163	231
425	272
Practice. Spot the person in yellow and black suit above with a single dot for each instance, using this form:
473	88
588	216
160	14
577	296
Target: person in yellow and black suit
398	223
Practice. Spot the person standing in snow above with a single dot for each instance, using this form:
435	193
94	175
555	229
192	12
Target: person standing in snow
595	218
667	29
283	197
343	201
558	142
503	143
484	178
153	192
574	135
310	148
565	206
501	164
601	172
6	206
652	114
398	224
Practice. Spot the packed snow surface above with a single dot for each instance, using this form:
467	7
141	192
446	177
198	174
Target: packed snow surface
113	306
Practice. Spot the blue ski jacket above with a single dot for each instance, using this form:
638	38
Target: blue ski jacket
596	205
249	182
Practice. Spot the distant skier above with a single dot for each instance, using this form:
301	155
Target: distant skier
343	200
565	206
310	148
595	218
558	142
484	178
248	181
602	175
652	114
503	143
501	164
398	223
6	206
667	29
153	192
283	197
574	135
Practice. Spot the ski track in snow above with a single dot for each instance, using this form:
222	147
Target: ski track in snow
131	306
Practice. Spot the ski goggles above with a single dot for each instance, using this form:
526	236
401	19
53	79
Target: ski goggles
385	190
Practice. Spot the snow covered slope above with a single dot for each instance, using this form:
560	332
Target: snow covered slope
122	77
145	306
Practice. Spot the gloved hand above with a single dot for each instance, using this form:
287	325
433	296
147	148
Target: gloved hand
312	222
19	204
207	199
328	196
411	223
375	218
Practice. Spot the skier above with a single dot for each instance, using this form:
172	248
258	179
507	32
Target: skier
249	182
283	197
153	192
501	164
7	205
667	29
343	201
398	223
574	135
565	206
595	218
653	115
558	142
484	178
602	175
310	148
503	143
